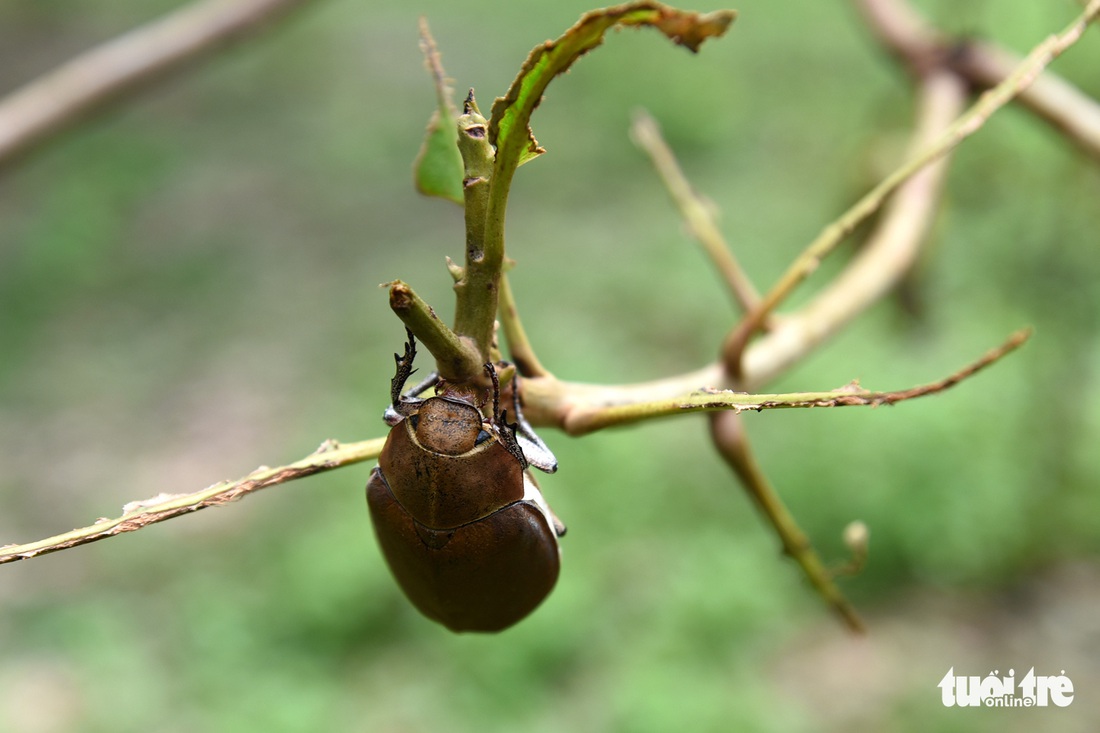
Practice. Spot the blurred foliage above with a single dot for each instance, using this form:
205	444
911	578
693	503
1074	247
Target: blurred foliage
188	290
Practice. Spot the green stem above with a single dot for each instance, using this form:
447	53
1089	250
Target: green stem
519	347
456	358
580	408
729	437
477	291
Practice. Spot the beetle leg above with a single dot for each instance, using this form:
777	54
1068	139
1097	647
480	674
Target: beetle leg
404	368
506	431
402	406
536	452
430	381
391	416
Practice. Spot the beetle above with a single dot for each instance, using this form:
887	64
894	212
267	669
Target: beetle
461	522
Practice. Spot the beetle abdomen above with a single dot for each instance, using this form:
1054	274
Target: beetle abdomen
482	576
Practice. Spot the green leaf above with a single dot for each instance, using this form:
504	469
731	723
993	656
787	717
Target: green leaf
509	128
438	166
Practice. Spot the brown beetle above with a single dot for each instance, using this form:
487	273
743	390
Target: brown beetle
461	522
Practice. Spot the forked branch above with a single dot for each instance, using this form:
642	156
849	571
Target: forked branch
836	232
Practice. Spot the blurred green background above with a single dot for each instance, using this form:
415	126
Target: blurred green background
188	289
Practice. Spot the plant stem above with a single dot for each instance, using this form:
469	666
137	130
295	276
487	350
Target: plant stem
581	409
965	126
729	437
519	347
140	514
698	216
456	358
476	293
59	99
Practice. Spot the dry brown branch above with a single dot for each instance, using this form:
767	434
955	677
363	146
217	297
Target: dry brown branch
57	100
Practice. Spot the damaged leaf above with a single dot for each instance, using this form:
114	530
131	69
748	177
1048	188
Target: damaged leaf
438	166
509	127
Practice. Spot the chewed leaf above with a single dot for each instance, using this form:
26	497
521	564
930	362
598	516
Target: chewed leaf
438	166
532	150
509	128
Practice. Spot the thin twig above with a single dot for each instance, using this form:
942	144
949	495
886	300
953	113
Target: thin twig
905	33
140	514
884	258
729	437
698	216
1053	99
579	409
54	102
836	232
886	255
519	346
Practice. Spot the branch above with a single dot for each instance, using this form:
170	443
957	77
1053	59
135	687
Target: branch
477	291
519	347
456	358
581	409
56	101
1065	107
140	514
885	257
903	32
697	214
729	437
578	419
836	232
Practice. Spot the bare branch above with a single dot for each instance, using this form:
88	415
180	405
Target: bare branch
46	106
140	514
519	346
728	434
885	257
903	32
580	409
698	216
965	126
1052	98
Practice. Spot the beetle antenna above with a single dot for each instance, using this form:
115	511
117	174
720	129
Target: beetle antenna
496	390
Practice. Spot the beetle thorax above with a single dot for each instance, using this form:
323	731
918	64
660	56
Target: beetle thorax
448	426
